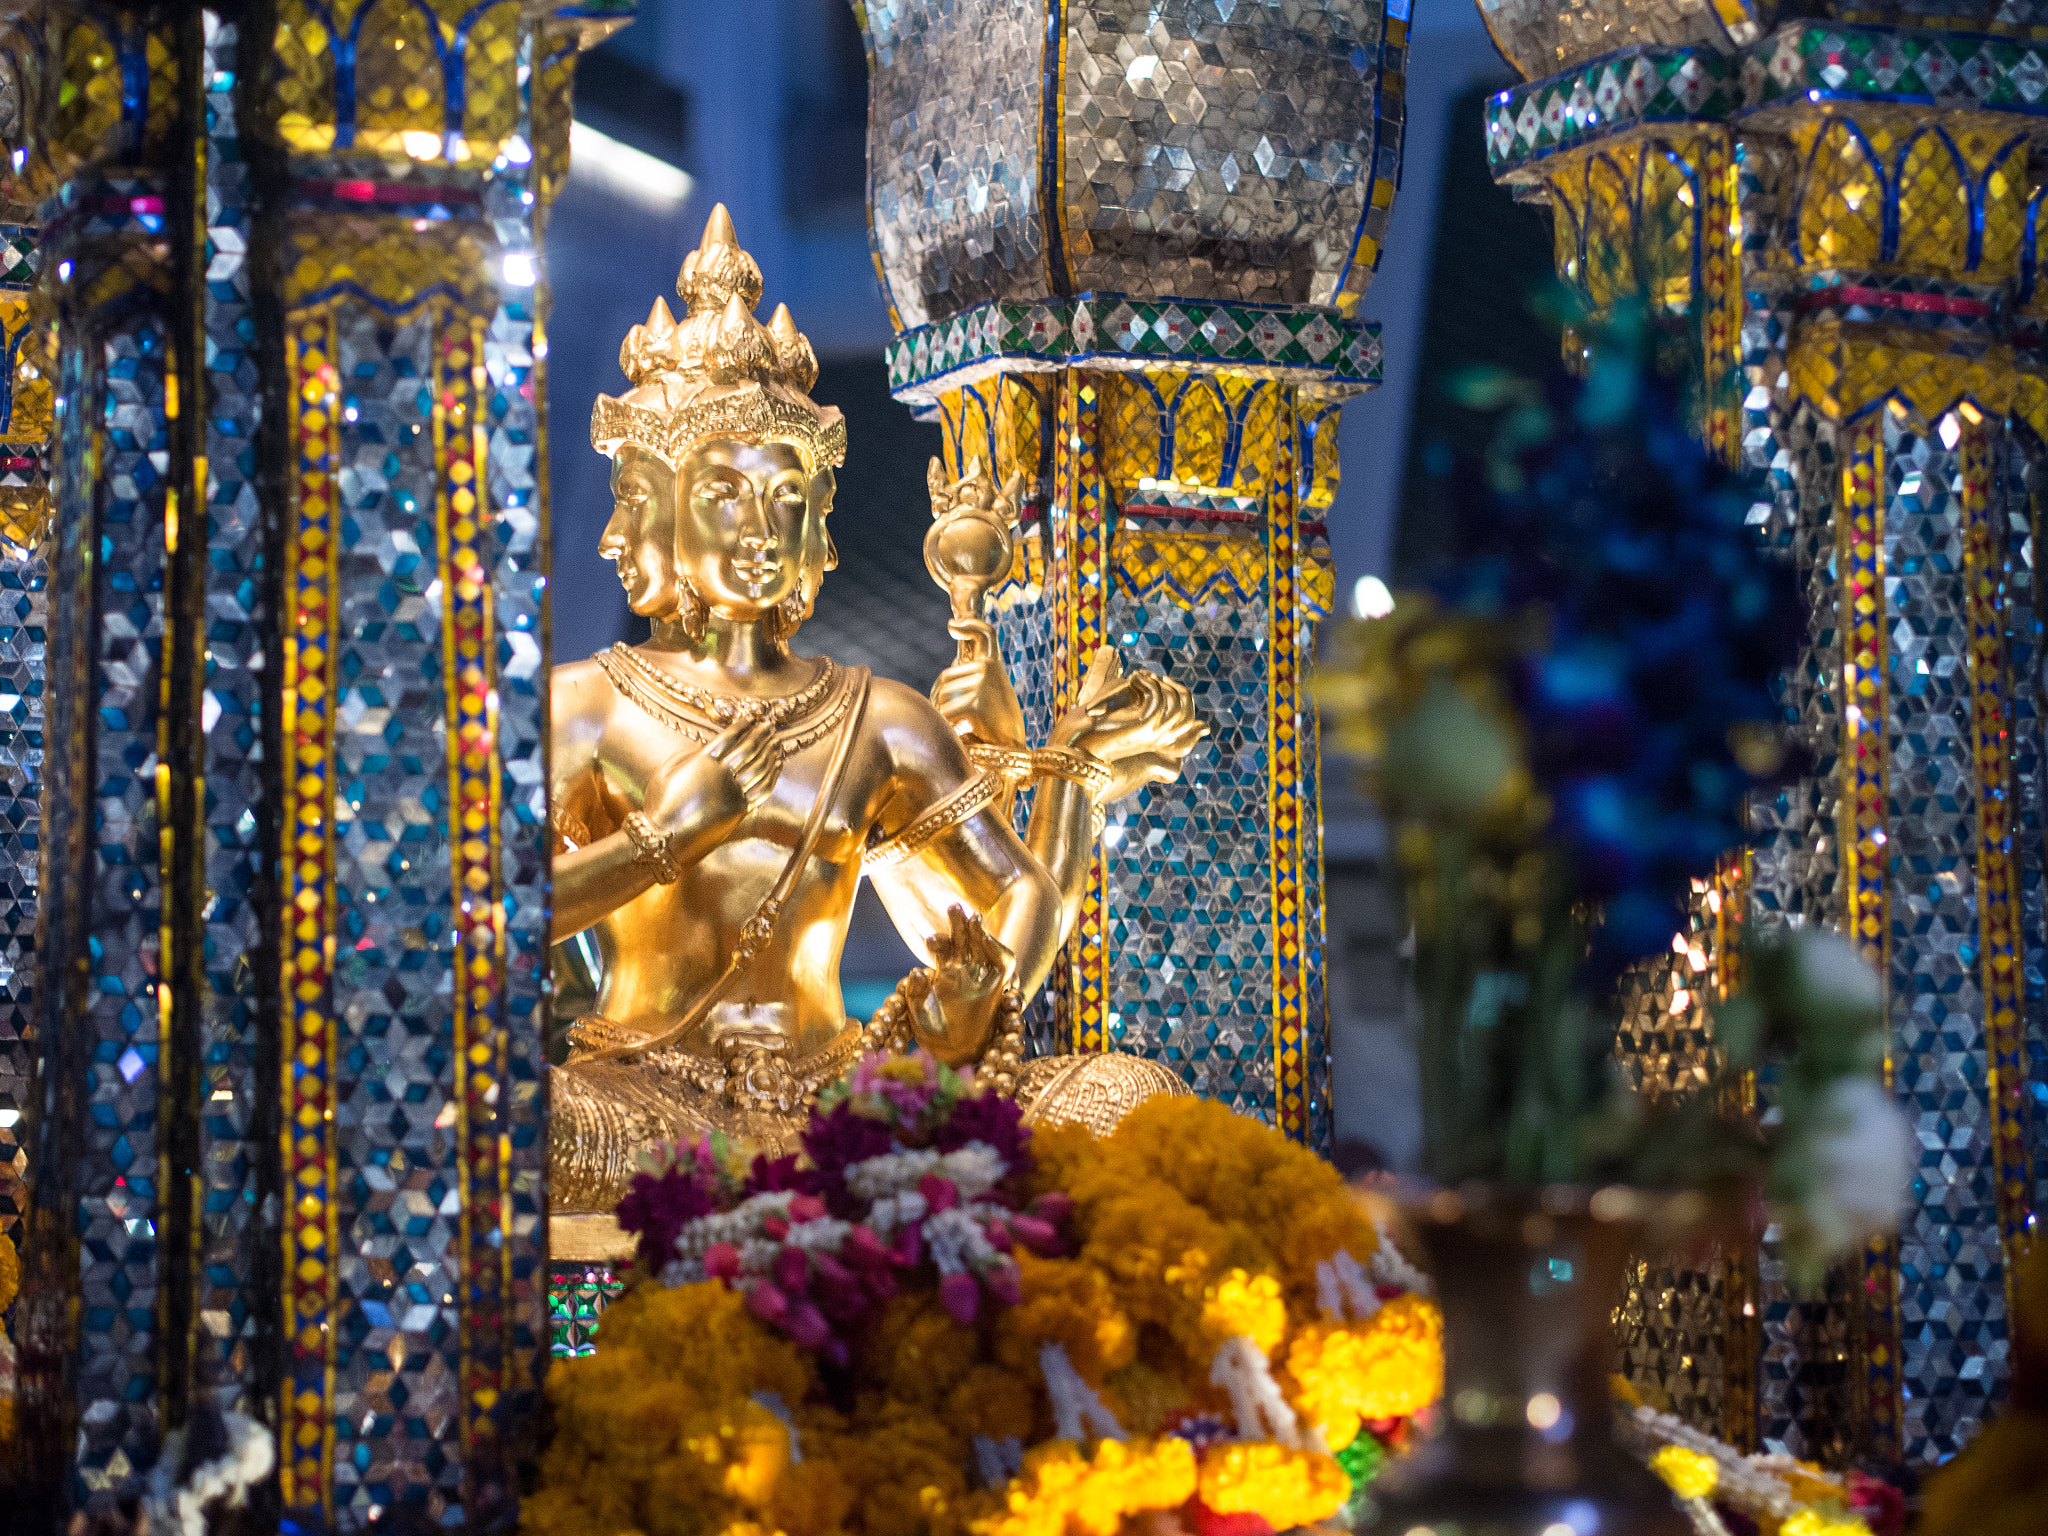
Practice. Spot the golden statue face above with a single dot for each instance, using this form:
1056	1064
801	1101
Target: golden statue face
640	539
740	523
750	524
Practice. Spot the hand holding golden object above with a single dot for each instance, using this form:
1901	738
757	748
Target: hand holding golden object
975	693
1139	724
969	551
700	794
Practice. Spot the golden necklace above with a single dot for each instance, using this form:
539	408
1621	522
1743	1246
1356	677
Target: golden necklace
699	713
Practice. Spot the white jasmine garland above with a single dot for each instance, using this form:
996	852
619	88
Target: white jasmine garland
1748	1483
734	1226
1390	1267
1075	1406
247	1460
1862	1163
678	1272
1342	1290
957	1242
892	1212
874	1178
822	1234
1262	1412
1832	972
998	1460
756	1254
975	1169
773	1402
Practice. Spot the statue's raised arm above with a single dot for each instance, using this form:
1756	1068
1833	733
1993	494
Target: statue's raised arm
717	798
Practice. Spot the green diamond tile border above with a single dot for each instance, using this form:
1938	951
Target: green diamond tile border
1802	62
1308	345
17	257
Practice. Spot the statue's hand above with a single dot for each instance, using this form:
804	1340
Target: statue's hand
1139	723
970	969
698	796
974	694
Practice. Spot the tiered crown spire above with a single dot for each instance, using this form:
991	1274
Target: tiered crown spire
718	372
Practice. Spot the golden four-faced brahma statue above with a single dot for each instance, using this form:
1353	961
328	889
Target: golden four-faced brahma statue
718	798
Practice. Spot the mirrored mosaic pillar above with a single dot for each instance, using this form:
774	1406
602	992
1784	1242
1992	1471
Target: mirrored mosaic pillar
26	399
289	1138
1878	205
1122	244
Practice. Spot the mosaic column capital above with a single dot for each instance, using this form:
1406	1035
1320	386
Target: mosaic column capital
1028	152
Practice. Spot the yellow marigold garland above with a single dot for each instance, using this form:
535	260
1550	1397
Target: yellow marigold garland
1287	1487
1062	1490
1188	1226
1247	1305
1814	1522
1387	1368
1688	1473
1073	1305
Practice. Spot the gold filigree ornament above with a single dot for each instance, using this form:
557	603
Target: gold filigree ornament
718	372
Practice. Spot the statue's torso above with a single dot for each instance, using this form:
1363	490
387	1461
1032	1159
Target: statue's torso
665	948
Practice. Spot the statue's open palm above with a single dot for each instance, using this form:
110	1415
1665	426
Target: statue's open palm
970	968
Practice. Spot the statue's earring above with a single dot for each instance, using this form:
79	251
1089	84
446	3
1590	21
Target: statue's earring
693	614
790	614
831	554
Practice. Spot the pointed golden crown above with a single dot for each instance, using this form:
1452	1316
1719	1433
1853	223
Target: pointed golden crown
718	372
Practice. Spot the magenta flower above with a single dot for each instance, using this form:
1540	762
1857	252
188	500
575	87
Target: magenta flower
1004	1282
768	1303
770	1176
657	1205
806	1326
993	1121
960	1296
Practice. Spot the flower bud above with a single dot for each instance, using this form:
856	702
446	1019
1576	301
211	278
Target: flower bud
792	1270
866	1250
909	1246
1053	1206
1039	1235
960	1296
1004	1282
806	1326
767	1303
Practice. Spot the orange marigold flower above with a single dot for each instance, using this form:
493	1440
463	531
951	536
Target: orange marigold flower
1387	1368
1286	1488
1069	1303
1060	1491
1248	1306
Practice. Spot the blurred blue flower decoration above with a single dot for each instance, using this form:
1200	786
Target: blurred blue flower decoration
1648	707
